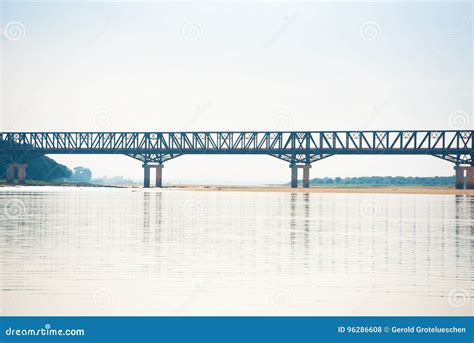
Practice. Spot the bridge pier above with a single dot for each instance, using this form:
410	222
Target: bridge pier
21	168
467	173
158	177
10	173
294	175
459	183
21	173
146	176
470	177
306	169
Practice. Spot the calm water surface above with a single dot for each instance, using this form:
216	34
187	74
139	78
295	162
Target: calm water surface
72	251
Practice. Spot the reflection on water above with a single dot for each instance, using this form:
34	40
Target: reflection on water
151	252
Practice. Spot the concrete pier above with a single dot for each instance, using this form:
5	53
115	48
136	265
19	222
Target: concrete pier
459	183
306	169
470	177
146	176
21	171
158	178
10	173
294	175
159	175
464	177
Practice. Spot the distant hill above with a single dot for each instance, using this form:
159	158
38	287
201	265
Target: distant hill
383	181
41	169
115	181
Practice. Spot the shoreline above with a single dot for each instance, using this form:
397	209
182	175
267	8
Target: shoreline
58	184
428	190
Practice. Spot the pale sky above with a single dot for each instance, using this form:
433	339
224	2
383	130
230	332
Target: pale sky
116	66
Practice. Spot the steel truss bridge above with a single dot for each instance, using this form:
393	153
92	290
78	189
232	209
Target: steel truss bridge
299	149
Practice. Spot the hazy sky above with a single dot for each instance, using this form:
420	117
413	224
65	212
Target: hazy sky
238	66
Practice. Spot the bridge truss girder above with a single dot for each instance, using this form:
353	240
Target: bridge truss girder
457	159
153	158
300	158
293	147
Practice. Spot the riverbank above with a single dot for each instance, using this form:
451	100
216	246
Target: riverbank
381	190
56	184
270	188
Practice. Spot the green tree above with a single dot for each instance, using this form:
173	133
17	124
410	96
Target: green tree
81	174
40	169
